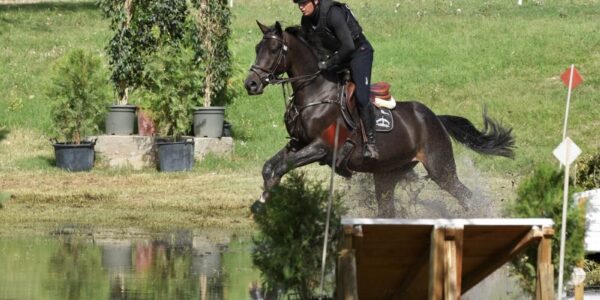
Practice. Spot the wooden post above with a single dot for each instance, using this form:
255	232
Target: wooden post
445	274
545	269
436	264
579	289
347	288
453	244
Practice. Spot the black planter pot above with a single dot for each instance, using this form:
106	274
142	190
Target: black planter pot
121	120
208	121
175	156
75	158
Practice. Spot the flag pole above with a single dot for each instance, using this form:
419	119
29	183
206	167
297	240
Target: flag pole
568	102
563	225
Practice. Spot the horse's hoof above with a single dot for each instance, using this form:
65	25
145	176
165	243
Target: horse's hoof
257	207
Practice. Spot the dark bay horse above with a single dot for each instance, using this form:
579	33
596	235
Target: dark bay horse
314	111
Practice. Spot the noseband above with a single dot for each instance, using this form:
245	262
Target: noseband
269	75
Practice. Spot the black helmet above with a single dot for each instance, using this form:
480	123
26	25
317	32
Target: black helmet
300	1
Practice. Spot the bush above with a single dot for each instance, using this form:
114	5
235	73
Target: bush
288	249
540	196
592	273
170	90
588	172
79	95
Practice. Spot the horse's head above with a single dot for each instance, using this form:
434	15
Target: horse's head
270	59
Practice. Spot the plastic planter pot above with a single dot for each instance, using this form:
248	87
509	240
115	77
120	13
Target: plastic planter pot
73	157
208	121
175	156
121	120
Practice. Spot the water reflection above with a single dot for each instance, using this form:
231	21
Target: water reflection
173	266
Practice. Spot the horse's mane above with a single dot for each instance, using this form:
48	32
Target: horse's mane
299	33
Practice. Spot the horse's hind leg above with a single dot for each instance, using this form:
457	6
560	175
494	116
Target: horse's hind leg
385	183
442	170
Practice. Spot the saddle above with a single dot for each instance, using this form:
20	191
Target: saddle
384	121
381	99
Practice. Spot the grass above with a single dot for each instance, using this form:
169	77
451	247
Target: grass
454	56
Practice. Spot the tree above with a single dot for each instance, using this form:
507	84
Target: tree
140	28
212	50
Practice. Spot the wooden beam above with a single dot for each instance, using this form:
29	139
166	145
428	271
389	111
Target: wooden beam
453	245
501	257
436	265
545	270
347	288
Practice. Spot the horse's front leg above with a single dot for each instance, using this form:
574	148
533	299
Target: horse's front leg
308	154
285	161
269	166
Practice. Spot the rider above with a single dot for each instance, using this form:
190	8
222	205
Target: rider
336	35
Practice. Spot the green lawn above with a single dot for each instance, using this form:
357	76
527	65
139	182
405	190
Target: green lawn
454	56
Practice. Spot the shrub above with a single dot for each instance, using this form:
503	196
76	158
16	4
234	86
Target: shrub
170	90
588	172
288	249
592	273
79	95
540	196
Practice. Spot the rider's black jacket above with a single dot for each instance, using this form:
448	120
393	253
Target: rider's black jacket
334	32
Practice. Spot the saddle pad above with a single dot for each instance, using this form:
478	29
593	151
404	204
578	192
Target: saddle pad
384	120
383	103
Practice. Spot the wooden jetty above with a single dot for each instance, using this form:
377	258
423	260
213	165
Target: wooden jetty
435	258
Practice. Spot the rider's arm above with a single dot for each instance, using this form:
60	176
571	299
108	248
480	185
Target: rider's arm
339	26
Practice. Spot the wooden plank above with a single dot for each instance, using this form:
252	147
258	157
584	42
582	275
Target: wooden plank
498	259
496	222
413	272
347	279
436	265
545	271
453	245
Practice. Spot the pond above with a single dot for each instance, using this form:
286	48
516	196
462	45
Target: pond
171	266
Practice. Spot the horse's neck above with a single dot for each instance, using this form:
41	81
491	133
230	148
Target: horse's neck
304	63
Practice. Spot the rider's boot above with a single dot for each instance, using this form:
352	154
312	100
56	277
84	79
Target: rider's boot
368	117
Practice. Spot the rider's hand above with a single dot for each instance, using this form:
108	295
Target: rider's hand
323	65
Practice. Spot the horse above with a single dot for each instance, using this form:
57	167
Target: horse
314	113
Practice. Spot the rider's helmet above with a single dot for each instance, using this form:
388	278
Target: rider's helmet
300	1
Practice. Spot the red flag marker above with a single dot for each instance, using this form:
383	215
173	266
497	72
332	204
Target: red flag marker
577	79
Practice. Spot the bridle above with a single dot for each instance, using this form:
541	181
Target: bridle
269	76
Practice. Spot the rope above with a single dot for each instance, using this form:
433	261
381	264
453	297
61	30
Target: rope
330	200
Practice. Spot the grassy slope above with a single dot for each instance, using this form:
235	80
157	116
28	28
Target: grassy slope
455	57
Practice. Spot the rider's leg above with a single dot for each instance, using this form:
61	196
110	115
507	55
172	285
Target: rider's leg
361	64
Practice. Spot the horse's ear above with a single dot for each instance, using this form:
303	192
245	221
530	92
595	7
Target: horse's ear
262	27
278	29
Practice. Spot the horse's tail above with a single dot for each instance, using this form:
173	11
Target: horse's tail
494	140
